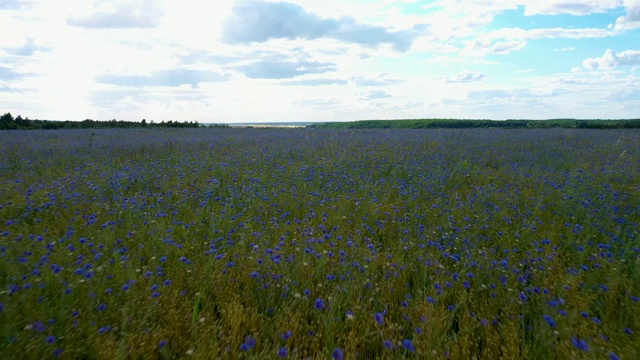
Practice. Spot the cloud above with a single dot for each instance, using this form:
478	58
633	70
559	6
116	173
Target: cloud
501	95
611	59
29	48
8	74
174	77
564	49
315	82
506	40
7	89
375	95
320	104
631	20
465	77
359	81
196	57
260	21
278	67
505	47
121	15
624	95
572	7
15	5
555	33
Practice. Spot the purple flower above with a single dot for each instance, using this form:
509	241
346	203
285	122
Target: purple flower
283	352
408	345
580	344
549	320
319	304
249	342
286	336
338	354
379	317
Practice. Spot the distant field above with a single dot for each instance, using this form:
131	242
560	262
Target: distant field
320	243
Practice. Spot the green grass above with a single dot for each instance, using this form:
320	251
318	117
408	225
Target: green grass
464	239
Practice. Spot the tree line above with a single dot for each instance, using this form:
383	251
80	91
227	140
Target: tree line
8	122
505	124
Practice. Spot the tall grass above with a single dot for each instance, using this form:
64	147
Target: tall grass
260	243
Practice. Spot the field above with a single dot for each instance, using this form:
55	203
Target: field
320	243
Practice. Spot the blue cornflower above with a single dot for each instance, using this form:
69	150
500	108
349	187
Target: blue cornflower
319	304
523	297
388	344
549	320
431	300
286	336
162	343
338	354
254	274
249	342
580	344
408	345
613	356
379	317
51	339
283	352
102	307
596	320
104	329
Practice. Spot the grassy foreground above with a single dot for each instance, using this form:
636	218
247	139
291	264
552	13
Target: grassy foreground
262	243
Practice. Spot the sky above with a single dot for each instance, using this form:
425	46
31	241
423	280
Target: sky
228	61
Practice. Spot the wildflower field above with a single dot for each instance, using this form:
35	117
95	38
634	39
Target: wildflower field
319	243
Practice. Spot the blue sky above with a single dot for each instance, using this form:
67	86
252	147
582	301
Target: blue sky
307	60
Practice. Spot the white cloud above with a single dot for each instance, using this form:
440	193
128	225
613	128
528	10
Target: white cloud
611	59
120	14
27	49
259	21
632	19
375	95
573	7
506	40
465	77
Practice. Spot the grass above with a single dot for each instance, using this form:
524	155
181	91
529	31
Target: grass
224	243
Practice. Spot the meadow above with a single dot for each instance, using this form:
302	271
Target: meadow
320	243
